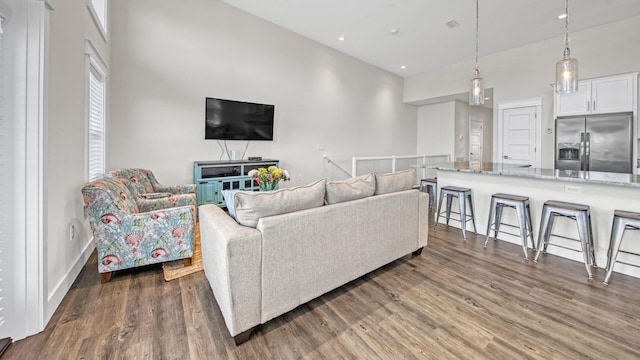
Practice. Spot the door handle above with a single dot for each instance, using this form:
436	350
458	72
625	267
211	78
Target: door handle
582	152
505	156
587	149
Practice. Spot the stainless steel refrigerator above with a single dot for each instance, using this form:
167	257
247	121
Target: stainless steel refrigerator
595	143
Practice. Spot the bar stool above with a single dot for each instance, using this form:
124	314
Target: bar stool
523	211
582	215
432	188
622	220
463	194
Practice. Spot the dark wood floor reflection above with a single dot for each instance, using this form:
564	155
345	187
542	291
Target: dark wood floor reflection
455	301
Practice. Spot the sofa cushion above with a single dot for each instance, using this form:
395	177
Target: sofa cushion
251	206
397	181
351	189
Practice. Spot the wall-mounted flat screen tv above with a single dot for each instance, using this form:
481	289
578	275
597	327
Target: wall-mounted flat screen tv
238	120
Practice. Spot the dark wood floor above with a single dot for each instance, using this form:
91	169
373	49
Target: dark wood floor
455	301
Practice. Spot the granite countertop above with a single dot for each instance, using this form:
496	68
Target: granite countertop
489	168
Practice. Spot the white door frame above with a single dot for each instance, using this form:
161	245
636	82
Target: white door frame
29	26
537	103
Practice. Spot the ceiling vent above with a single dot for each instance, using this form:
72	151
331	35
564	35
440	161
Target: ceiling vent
452	24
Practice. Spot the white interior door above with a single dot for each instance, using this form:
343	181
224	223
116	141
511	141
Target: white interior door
519	136
475	141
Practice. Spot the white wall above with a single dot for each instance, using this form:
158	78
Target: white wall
65	147
440	126
167	56
528	71
461	131
436	127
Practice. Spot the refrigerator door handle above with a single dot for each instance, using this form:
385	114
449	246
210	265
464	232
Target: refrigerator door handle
587	151
582	152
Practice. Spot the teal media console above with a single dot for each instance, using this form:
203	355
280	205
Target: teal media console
214	176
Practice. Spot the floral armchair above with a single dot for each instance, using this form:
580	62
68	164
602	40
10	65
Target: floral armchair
126	237
150	195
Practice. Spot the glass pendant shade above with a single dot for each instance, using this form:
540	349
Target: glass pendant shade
476	93
567	68
567	74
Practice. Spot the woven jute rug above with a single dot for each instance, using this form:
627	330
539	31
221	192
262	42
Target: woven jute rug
176	269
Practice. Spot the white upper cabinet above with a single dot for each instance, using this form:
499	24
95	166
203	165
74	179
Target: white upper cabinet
603	95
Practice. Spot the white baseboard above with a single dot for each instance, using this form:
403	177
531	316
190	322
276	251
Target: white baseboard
57	294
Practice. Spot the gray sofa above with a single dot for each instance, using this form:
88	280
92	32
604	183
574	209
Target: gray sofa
278	262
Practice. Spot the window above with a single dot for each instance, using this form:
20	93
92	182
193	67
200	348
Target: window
98	10
96	74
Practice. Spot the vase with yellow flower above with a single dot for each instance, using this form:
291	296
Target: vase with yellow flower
268	178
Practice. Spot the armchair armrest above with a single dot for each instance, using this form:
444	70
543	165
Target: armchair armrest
177	189
148	203
231	255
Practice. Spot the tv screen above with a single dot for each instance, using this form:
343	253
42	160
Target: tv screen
238	120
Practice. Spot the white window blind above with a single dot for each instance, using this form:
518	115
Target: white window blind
96	100
96	125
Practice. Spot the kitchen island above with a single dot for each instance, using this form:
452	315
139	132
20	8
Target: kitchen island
603	192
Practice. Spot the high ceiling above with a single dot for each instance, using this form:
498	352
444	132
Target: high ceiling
423	41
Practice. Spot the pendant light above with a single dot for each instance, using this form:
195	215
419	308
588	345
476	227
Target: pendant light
476	94
567	68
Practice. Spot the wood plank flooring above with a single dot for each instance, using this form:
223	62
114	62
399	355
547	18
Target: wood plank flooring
456	300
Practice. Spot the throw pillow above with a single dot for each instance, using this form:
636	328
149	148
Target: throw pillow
250	208
351	189
397	181
229	199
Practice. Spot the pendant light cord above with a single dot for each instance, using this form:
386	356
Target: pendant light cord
477	37
566	24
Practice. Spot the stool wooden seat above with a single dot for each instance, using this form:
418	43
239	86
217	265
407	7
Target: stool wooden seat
464	196
523	211
622	220
578	212
431	185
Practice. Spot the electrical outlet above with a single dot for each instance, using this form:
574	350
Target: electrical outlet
320	147
572	189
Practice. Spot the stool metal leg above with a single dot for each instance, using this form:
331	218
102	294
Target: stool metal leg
582	221
547	234
432	195
473	216
492	211
522	221
591	246
543	234
498	220
438	211
449	200
530	227
462	207
617	231
434	188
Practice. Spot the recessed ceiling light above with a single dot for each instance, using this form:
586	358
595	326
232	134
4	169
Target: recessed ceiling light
562	16
341	38
452	24
394	31
403	67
